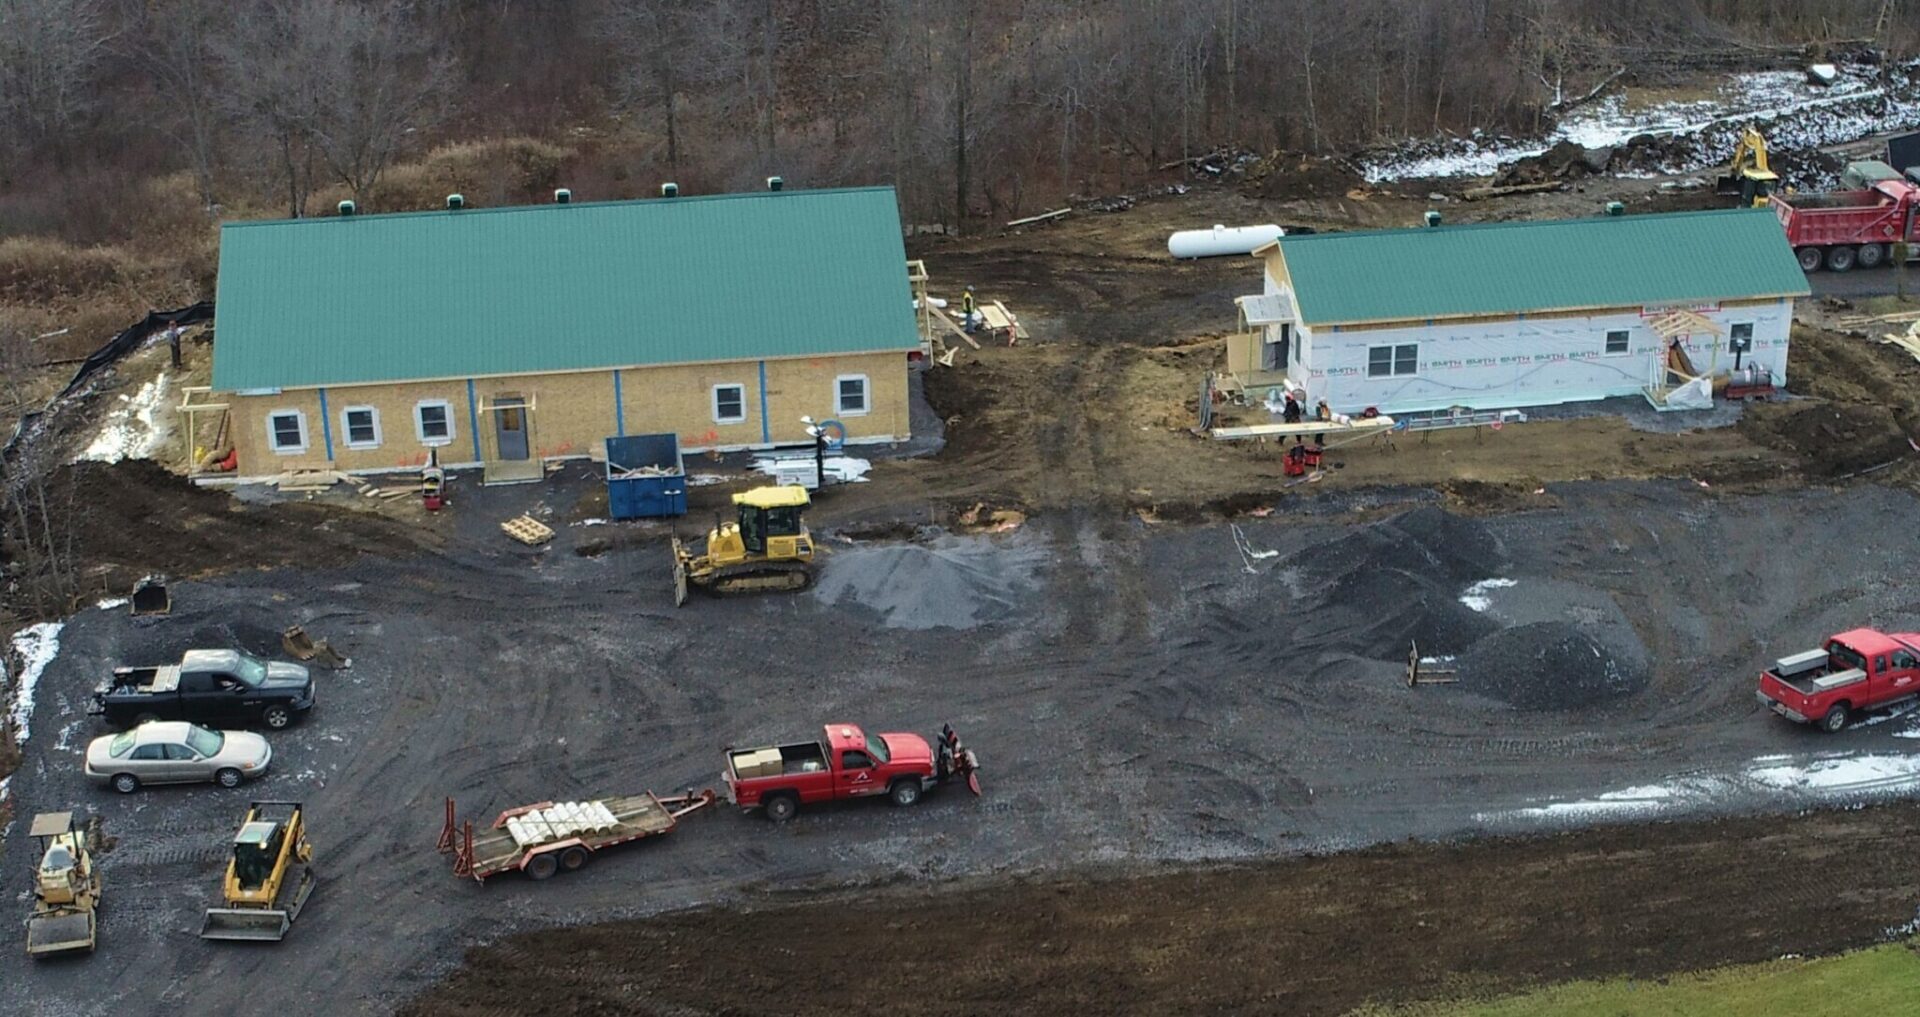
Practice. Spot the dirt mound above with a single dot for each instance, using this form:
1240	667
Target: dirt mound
1399	581
1547	666
953	582
1829	439
1289	176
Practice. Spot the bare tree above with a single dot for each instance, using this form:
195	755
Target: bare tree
176	47
42	572
380	83
654	39
50	54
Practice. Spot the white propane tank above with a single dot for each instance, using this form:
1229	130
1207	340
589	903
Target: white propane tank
1222	240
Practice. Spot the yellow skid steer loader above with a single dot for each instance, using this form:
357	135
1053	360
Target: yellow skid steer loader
263	893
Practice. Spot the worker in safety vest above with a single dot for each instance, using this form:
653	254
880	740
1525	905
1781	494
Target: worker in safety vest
969	311
1322	412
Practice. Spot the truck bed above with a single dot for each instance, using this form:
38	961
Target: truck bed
1837	200
1813	683
165	678
598	824
760	763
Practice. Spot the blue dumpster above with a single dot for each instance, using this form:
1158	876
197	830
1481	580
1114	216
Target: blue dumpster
645	477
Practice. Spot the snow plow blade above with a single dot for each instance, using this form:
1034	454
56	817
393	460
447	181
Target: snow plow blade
51	934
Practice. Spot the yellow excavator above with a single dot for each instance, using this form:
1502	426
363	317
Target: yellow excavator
66	889
1748	174
767	550
261	895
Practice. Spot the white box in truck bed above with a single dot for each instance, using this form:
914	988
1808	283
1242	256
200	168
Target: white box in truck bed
1800	663
1839	678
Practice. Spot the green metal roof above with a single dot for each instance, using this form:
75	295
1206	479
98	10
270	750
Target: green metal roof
1517	267
540	288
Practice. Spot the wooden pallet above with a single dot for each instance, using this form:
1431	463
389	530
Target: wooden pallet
528	530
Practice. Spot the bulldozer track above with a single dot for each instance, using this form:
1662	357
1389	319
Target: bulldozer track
756	579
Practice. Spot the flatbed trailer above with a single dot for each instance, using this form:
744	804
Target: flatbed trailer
550	837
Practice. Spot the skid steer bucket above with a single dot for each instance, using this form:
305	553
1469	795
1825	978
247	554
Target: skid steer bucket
50	934
259	925
301	646
679	573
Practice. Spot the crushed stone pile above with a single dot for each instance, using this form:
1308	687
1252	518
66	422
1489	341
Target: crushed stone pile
1380	587
1547	666
952	582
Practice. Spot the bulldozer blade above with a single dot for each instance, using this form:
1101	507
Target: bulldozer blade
259	925
254	925
51	934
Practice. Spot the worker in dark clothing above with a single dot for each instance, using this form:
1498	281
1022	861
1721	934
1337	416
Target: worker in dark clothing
173	342
1322	412
1291	413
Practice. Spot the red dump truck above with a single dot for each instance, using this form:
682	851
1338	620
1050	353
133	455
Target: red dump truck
1840	229
846	763
1859	669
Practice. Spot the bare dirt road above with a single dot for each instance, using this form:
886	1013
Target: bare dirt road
1141	695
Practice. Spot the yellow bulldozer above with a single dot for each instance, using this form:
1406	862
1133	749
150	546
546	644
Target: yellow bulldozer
66	888
767	550
1747	174
263	893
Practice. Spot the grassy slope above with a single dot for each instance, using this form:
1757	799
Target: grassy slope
1883	980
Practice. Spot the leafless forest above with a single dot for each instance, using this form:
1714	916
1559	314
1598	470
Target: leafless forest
969	106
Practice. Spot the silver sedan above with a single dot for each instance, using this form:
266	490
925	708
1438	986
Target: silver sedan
176	752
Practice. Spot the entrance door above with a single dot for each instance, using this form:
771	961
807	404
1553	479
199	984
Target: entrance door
1279	342
510	427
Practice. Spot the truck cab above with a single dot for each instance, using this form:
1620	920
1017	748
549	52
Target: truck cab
845	763
1859	669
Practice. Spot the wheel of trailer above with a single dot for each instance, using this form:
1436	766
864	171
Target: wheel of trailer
1840	259
574	858
227	776
1871	256
276	717
1810	259
905	792
126	783
542	866
782	807
1835	719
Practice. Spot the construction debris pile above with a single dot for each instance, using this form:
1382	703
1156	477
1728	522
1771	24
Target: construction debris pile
1547	666
1399	582
950	582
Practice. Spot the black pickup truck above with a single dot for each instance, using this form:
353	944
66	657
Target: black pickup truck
221	688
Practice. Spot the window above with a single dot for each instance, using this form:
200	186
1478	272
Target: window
1902	660
205	742
729	404
120	744
433	421
360	425
1740	337
1616	342
287	431
180	754
149	752
850	395
855	760
1390	361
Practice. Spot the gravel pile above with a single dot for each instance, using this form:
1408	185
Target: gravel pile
1378	588
1547	666
954	582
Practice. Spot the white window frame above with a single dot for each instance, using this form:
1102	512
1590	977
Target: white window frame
420	424
713	400
1607	339
1748	325
346	429
866	396
273	436
1393	360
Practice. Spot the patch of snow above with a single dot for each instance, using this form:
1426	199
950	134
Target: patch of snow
1882	717
1827	778
65	741
1847	773
36	646
136	427
1477	597
591	522
111	602
704	479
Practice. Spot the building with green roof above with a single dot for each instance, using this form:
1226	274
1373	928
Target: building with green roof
503	337
1515	314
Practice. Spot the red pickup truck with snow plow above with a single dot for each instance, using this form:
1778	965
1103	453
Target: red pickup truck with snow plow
1859	669
846	763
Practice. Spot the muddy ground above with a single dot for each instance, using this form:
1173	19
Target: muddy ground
1317	936
1141	695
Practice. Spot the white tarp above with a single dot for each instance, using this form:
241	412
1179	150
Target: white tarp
1694	395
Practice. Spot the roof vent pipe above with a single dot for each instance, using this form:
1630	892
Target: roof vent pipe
775	183
562	196
456	202
1616	208
669	190
346	209
1433	218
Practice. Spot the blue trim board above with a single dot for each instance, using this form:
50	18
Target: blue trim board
766	427
619	408
473	419
326	424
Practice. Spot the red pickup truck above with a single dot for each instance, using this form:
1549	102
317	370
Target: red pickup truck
1857	670
846	763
